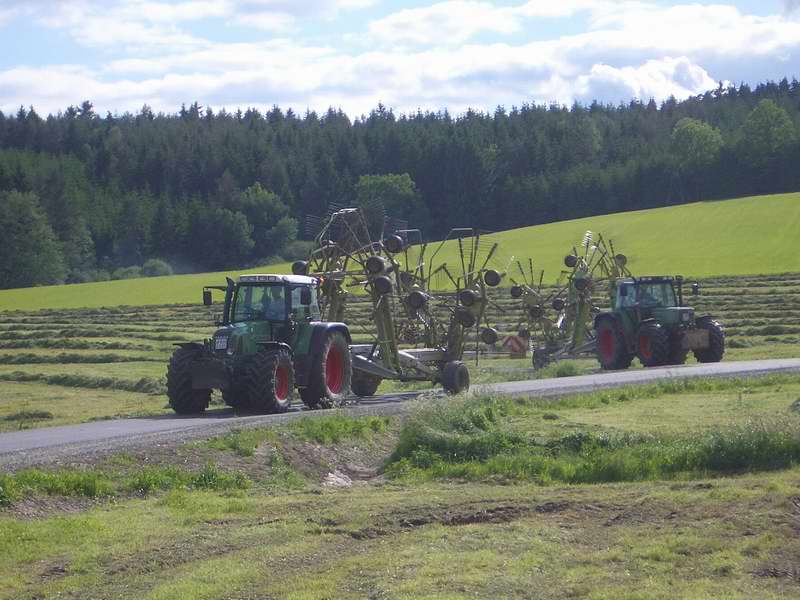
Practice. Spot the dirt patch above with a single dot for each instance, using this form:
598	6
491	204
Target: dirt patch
503	513
360	461
792	573
171	556
44	506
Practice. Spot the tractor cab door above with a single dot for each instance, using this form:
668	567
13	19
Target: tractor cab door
304	310
627	307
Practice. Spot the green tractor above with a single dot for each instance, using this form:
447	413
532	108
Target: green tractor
270	341
650	321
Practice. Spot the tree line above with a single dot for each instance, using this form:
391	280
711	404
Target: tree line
85	196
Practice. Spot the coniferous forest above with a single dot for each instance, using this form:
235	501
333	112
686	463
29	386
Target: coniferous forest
86	196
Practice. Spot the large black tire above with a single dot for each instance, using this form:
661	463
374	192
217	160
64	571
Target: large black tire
716	341
540	358
264	382
677	353
364	384
455	377
184	399
652	345
331	374
612	353
230	398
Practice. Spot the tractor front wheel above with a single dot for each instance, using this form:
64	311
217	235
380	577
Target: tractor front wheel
611	350
455	377
716	341
652	343
183	398
331	374
365	384
677	351
265	382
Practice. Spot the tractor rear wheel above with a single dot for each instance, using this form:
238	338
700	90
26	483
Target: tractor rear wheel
331	374
611	350
455	377
364	384
183	398
716	341
265	382
652	342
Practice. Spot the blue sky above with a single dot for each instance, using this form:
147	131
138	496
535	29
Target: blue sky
409	55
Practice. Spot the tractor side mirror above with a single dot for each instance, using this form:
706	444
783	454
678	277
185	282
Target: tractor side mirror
207	300
695	289
305	296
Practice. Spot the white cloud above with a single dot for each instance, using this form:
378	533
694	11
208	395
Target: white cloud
451	22
6	14
643	51
660	79
267	21
455	21
164	12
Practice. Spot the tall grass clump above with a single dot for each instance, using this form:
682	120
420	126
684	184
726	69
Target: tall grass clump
242	442
335	428
467	439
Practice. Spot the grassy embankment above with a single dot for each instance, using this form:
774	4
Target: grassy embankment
685	490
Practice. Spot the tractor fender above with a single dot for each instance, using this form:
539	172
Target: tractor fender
274	346
321	330
190	345
607	316
646	322
704	319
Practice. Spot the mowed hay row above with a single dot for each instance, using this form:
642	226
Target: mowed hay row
754	307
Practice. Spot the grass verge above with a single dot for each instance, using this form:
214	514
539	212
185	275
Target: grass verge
499	438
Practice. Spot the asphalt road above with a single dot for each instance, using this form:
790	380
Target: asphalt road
63	444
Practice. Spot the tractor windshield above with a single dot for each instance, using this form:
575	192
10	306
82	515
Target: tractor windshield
259	302
655	295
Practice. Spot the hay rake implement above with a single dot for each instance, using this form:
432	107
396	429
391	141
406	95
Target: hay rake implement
421	305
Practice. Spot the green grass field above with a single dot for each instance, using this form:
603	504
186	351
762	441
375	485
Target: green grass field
251	515
744	236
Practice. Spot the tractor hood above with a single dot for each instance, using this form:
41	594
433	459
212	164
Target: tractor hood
241	338
674	315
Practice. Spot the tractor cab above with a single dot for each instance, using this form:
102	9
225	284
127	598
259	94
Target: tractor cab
260	308
659	298
649	320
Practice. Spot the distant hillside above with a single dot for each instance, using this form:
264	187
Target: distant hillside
203	190
745	236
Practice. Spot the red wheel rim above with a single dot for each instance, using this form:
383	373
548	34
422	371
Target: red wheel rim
334	370
645	347
281	382
606	344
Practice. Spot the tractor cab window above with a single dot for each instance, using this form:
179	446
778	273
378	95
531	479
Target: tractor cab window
626	296
304	311
655	295
260	302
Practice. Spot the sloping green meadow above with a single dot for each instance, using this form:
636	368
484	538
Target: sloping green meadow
744	236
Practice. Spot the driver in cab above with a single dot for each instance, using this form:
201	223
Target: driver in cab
273	305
